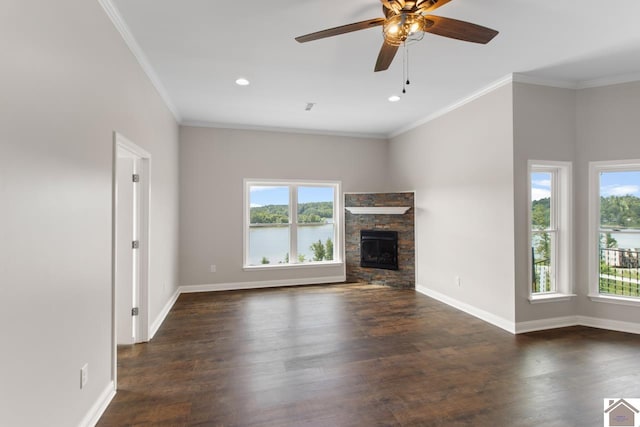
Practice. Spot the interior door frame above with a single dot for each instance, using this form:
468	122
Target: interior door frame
142	333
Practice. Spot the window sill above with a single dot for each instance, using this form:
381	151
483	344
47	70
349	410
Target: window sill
614	299
550	297
321	264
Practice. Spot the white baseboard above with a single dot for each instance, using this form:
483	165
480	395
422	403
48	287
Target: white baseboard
544	324
93	416
565	321
234	286
498	321
612	325
155	325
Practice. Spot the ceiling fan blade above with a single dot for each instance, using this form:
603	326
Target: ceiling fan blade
356	26
385	57
460	30
430	5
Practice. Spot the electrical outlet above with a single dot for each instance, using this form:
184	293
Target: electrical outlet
212	268
458	281
84	375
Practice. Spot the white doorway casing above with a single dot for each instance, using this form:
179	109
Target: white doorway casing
130	267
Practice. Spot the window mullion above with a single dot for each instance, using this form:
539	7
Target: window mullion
553	265
293	224
553	205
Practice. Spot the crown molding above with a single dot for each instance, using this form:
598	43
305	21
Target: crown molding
234	126
114	14
519	78
454	106
541	81
608	81
582	84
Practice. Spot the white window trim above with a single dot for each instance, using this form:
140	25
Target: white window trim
293	216
562	199
594	228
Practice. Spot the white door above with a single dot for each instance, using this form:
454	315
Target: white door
127	252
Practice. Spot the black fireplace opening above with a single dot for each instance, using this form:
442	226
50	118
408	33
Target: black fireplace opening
379	249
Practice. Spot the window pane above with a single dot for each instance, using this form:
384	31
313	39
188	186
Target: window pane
269	205
541	200
268	245
316	228
315	205
620	200
541	256
619	241
269	225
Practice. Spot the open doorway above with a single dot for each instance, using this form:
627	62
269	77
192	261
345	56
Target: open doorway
130	293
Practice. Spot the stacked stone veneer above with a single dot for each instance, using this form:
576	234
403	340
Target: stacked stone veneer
404	224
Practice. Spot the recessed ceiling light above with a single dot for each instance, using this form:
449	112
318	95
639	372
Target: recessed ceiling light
242	82
394	98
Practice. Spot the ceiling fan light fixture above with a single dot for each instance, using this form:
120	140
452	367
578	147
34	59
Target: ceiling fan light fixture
394	98
405	27
242	81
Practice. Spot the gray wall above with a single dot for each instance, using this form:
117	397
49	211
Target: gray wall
608	128
67	82
544	128
461	167
213	164
579	126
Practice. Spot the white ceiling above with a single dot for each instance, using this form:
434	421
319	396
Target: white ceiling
197	48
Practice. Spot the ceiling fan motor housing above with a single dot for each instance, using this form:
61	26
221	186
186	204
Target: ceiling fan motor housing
395	7
404	27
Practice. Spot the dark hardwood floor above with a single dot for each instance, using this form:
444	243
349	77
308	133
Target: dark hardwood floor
363	355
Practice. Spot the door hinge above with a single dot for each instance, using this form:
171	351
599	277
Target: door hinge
135	244
134	311
136	177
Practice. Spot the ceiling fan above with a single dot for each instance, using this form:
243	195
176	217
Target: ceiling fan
406	21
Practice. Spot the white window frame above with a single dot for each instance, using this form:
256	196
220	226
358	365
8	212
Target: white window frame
595	168
561	228
338	217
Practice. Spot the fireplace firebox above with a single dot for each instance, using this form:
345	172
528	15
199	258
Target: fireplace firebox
379	249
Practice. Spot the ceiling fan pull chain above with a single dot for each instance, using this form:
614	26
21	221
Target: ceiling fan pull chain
404	68
407	54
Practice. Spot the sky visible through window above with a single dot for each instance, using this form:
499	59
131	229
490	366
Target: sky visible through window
620	183
540	185
611	184
271	195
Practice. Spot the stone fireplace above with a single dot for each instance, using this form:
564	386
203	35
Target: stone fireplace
379	238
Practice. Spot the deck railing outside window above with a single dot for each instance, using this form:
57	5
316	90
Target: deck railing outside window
541	280
619	272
